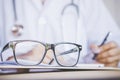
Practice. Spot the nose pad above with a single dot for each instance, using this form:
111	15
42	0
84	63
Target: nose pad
48	46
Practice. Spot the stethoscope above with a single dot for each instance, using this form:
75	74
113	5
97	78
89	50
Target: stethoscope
17	29
72	4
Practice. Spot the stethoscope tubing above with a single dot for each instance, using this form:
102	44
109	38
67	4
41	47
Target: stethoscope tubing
71	4
77	11
14	10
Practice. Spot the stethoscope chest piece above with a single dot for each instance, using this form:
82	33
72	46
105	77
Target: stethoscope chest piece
17	30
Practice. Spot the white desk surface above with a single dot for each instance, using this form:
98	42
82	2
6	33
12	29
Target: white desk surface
66	75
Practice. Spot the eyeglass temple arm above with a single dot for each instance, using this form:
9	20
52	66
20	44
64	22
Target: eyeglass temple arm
4	48
63	53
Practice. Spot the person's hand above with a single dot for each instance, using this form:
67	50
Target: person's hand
109	54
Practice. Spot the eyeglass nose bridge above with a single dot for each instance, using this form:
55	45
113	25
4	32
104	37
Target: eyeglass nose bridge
49	46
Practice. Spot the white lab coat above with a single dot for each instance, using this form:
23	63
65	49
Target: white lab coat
94	22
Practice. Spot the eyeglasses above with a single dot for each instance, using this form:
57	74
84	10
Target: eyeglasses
28	52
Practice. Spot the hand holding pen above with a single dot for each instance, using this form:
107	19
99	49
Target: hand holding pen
103	42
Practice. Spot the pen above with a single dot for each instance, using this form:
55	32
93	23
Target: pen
103	42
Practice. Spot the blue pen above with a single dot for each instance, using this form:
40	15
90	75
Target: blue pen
103	42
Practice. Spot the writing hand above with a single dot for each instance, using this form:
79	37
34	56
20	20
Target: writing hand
109	54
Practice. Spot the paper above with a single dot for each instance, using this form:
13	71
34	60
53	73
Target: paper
13	64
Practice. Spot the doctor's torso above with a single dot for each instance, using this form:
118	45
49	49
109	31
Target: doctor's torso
54	22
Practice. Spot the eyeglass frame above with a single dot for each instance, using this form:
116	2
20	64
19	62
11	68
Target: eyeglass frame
12	44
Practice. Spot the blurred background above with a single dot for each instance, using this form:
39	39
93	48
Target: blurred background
114	8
